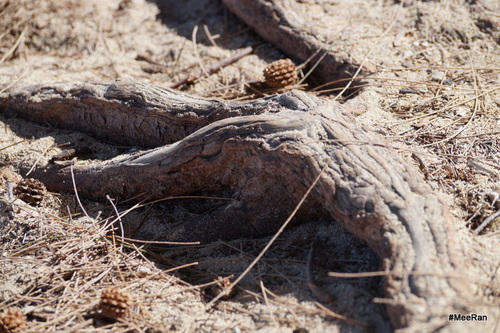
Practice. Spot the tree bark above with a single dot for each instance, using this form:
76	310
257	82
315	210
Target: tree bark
282	23
265	154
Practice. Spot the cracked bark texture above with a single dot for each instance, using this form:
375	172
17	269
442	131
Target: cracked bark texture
283	24
265	154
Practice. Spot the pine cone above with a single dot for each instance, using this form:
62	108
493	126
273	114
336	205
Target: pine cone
115	304
280	73
31	191
12	320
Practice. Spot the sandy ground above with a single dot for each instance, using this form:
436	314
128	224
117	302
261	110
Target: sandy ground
433	92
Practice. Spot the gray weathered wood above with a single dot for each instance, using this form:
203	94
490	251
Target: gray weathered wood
282	23
265	154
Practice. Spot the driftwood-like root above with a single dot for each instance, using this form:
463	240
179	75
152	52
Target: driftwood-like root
265	153
282	23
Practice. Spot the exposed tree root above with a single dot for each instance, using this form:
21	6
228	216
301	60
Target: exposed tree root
265	153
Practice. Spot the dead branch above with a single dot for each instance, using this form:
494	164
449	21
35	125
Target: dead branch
192	77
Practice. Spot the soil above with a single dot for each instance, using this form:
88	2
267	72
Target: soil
430	87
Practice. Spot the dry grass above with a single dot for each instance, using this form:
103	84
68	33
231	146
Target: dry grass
65	265
455	136
56	270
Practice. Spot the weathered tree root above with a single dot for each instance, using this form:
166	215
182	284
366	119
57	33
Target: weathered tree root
266	153
282	23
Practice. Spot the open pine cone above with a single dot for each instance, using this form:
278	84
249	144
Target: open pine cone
115	304
280	73
12	320
30	190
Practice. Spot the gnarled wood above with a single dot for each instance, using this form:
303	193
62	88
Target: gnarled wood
283	24
80	107
266	153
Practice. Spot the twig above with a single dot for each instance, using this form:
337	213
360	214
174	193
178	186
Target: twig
118	216
268	245
267	304
487	221
42	154
14	47
196	52
141	57
312	67
214	68
181	197
14	144
209	35
76	192
159	242
13	82
49	147
125	212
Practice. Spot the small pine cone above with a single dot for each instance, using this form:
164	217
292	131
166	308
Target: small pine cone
280	73
115	304
31	191
12	320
